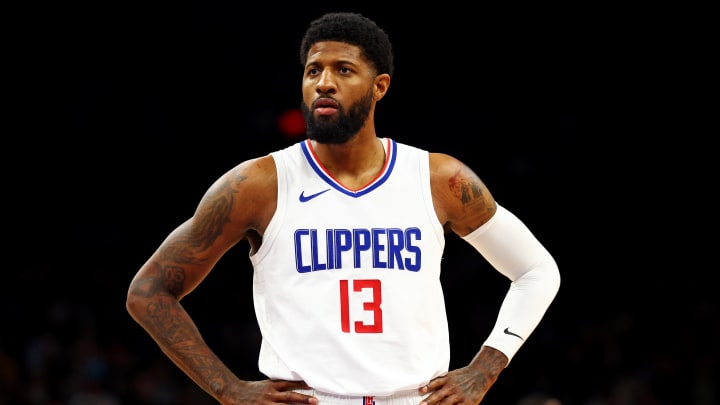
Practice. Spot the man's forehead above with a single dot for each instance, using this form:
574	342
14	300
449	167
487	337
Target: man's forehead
335	50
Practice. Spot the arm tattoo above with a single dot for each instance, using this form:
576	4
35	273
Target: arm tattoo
168	276
173	278
465	187
212	215
166	279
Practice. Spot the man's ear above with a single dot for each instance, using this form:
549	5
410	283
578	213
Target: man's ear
382	83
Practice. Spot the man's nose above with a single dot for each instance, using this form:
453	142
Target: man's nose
326	82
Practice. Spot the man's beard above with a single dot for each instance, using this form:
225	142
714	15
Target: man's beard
338	129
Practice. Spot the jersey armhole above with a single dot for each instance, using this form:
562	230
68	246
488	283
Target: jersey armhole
271	231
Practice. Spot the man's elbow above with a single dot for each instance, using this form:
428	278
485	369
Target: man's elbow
135	303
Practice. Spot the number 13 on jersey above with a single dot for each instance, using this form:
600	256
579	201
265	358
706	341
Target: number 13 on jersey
372	305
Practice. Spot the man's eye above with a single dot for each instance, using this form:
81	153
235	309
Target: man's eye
344	70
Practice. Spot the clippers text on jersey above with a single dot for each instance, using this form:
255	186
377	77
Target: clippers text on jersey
389	248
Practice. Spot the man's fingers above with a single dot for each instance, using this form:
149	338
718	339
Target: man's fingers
430	388
286	394
292	397
284	385
434	384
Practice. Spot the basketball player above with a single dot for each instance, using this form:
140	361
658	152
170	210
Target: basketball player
346	235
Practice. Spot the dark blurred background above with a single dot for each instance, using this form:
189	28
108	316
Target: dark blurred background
125	113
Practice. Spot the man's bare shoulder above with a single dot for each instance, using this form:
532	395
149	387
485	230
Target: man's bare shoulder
248	193
250	175
442	163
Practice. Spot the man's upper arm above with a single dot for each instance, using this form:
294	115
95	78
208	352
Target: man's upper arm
462	201
242	199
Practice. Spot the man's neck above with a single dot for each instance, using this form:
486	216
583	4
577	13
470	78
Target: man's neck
354	163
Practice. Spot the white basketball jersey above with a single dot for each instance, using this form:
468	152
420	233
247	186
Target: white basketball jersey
347	282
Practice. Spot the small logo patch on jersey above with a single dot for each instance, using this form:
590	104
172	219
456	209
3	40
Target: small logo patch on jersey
507	332
306	198
368	400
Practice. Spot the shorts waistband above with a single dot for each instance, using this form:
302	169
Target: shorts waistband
409	397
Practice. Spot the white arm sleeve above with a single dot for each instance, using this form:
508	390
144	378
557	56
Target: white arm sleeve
509	246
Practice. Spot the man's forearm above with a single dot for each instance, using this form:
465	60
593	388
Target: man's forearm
167	322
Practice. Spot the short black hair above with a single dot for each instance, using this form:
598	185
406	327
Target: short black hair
354	29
